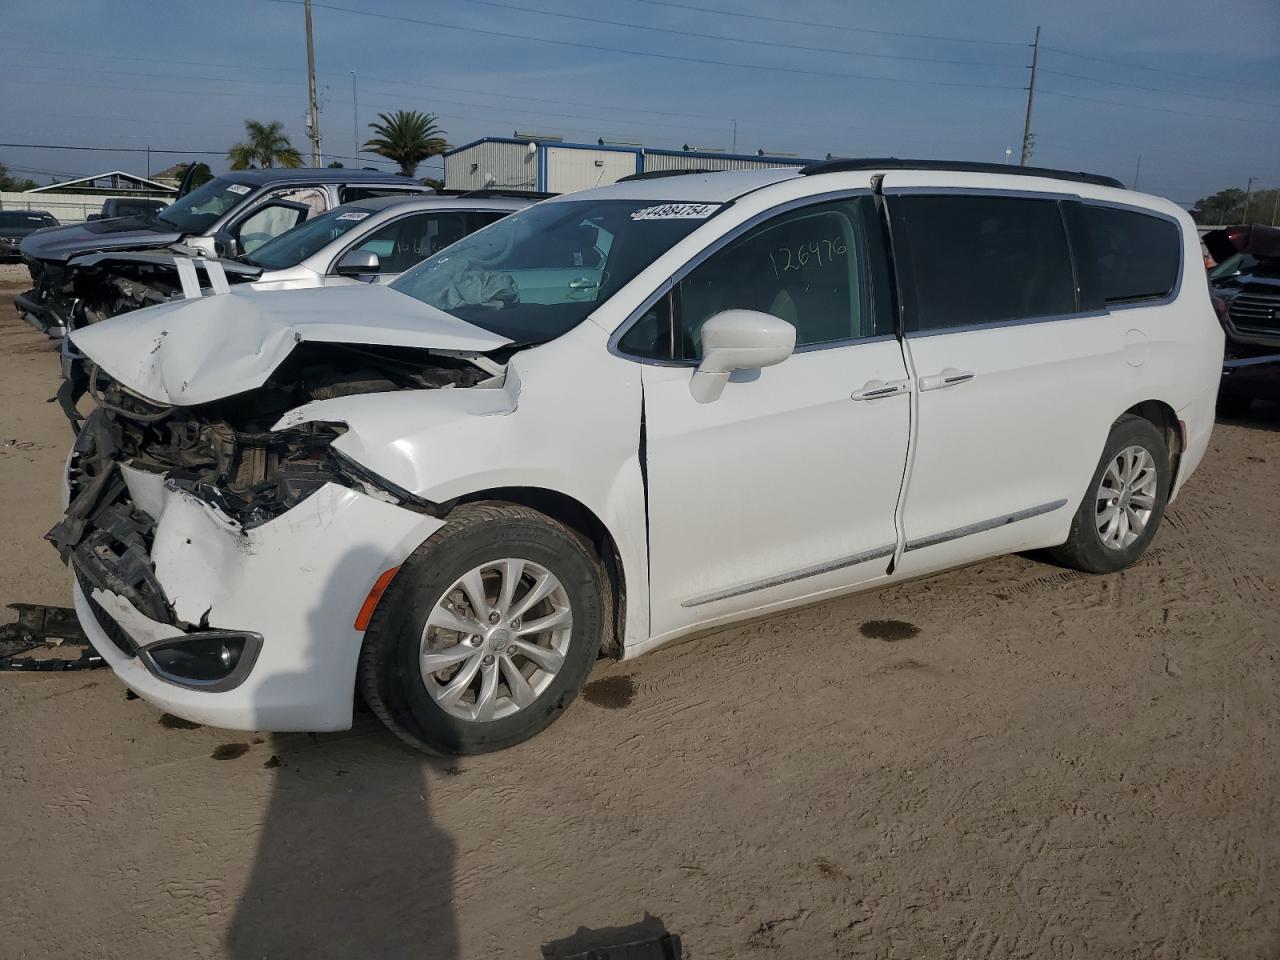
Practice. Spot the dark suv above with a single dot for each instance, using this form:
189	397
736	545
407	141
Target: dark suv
227	215
16	224
1246	290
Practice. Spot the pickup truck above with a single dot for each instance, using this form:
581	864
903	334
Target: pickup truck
113	207
1246	294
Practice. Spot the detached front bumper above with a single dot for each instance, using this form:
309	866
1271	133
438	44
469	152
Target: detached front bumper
297	581
41	317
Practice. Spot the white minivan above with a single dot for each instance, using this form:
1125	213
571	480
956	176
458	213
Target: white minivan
621	417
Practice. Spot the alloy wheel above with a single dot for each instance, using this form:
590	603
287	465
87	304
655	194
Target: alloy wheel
1126	497
496	639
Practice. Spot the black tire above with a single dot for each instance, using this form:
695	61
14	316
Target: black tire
389	677
1084	548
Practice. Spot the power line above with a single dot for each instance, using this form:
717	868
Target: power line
188	93
711	36
659	56
1176	93
405	83
1141	66
162	76
185	63
61	146
1141	106
790	21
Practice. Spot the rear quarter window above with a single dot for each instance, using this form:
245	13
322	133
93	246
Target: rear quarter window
1123	256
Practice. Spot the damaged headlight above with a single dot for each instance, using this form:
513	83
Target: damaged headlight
371	483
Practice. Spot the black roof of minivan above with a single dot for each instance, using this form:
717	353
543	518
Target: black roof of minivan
848	164
319	175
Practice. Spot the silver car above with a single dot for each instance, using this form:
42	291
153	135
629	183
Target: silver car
370	241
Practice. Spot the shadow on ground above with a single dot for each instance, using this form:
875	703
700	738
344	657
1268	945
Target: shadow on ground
349	862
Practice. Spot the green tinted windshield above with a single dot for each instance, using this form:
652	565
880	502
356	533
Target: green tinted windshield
292	247
541	271
203	207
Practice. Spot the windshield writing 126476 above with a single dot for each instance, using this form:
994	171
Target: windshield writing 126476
813	253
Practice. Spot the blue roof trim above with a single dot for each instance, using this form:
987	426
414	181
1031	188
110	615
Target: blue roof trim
776	161
543	143
640	151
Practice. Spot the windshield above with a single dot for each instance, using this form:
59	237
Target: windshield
24	218
542	271
203	207
292	247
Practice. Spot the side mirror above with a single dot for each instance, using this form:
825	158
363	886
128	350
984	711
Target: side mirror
94	216
739	340
357	263
227	245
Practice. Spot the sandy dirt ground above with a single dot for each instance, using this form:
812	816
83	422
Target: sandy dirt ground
1027	762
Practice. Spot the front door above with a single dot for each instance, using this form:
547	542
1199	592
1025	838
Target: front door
785	486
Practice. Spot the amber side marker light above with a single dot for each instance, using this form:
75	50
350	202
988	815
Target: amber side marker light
375	594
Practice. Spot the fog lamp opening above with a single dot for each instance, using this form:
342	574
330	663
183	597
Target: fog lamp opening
213	661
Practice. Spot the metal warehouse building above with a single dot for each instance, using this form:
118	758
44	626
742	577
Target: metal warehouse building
557	167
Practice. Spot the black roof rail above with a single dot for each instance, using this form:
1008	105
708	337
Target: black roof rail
511	193
659	174
958	166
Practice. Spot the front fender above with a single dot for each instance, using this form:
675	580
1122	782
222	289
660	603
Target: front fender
565	419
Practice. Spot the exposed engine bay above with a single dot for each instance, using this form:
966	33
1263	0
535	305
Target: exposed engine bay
93	288
225	454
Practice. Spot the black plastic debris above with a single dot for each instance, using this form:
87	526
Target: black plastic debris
648	939
39	626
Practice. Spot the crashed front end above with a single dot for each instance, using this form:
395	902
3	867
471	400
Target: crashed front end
70	295
219	564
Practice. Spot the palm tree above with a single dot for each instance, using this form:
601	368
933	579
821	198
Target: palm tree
407	137
265	145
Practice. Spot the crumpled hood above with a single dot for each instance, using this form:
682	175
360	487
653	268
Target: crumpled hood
193	351
124	233
166	259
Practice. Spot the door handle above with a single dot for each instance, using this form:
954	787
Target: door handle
876	389
949	377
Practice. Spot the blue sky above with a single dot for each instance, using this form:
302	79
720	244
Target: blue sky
180	74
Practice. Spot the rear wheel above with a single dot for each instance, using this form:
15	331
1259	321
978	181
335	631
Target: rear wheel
1125	501
486	633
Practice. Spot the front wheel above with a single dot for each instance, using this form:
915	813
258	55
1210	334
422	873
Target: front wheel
1125	501
486	633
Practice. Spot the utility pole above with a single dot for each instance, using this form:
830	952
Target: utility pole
314	123
1137	173
1274	204
1031	94
355	119
1248	189
148	161
735	137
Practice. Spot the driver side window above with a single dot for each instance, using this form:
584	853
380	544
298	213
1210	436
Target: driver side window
814	267
267	223
807	266
405	243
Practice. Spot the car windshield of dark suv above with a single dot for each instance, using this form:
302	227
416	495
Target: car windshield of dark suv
540	272
25	219
292	247
203	207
